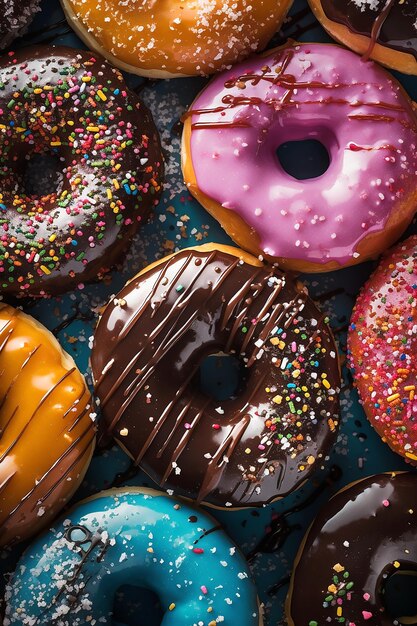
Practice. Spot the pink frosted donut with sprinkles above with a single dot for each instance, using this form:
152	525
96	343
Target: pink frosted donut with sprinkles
383	347
355	109
71	105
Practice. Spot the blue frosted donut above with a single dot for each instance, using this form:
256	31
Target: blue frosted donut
140	537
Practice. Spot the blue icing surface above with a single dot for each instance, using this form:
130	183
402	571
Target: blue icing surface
270	535
69	576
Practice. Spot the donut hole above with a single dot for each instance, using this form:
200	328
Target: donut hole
136	606
42	175
221	376
399	596
303	159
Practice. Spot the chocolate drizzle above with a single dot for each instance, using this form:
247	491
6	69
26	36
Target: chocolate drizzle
279	78
148	348
391	24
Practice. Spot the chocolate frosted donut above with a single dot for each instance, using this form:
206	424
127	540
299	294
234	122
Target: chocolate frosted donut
15	16
148	347
385	30
74	106
364	535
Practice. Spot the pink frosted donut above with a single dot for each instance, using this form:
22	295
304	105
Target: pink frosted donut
356	109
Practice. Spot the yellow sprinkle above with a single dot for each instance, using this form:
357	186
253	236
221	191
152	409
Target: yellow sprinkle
38	90
393	397
76	181
116	183
101	95
411	456
277	399
296	374
396	564
52	237
332	588
338	568
171	606
70	122
86	79
247	451
409	388
55	143
2	126
326	383
45	270
210	609
93	129
212	623
150	550
310	461
109	194
274	341
118	166
339	611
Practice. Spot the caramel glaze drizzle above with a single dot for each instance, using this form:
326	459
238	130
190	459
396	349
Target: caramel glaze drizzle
201	286
290	83
59	469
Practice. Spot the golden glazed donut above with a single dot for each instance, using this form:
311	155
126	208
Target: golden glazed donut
46	431
383	30
169	38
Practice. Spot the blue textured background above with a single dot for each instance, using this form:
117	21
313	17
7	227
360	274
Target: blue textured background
180	222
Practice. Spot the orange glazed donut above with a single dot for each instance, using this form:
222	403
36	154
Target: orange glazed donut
46	431
169	38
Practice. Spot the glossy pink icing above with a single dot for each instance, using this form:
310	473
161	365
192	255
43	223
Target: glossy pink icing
356	109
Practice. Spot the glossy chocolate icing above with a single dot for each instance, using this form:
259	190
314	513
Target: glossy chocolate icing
362	536
148	346
396	22
74	105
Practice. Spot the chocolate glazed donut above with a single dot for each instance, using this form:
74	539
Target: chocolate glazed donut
364	535
385	30
74	106
150	342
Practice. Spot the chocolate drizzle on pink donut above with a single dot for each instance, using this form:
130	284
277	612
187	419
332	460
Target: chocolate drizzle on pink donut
301	92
